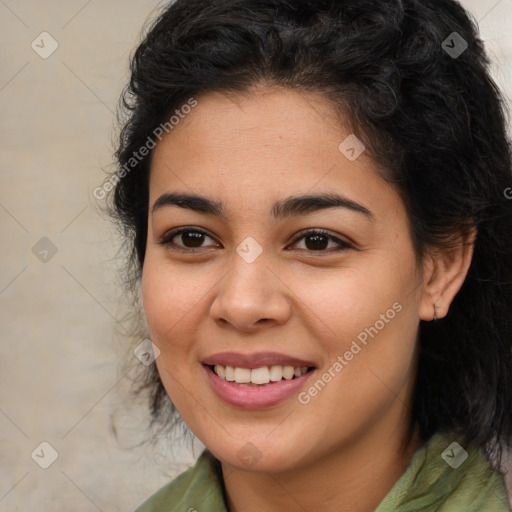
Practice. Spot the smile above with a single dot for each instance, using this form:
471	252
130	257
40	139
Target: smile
250	395
259	376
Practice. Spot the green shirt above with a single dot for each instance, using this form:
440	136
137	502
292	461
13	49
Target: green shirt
428	484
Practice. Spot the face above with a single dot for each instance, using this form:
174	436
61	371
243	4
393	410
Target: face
263	278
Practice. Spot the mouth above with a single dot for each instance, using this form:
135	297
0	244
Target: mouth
257	381
261	376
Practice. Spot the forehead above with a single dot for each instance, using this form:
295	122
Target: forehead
265	107
263	124
269	144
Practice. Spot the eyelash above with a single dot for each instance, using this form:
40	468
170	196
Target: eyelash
166	240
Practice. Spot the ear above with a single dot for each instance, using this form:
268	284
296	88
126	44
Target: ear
444	272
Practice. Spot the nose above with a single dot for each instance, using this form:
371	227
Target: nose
251	297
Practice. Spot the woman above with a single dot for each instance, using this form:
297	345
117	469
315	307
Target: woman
315	193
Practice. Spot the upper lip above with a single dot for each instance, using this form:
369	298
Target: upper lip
256	360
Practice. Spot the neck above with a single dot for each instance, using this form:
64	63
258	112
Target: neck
356	476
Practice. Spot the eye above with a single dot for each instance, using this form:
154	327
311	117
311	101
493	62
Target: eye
317	240
191	238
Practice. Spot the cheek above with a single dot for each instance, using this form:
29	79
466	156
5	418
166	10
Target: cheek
348	300
170	297
368	314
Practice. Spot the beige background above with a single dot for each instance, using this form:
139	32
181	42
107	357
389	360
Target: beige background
59	374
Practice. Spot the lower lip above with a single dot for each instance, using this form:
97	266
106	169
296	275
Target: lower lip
255	397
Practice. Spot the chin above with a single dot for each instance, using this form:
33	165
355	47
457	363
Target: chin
258	455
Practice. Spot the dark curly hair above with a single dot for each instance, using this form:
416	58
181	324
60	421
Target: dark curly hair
435	123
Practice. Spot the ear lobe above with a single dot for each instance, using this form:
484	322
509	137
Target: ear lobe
444	273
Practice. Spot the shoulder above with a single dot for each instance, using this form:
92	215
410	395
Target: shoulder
444	476
198	488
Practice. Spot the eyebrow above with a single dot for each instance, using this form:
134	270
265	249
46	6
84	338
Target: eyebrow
295	205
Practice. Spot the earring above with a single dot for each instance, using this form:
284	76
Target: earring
435	312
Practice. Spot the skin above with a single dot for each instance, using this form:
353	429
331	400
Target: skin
346	448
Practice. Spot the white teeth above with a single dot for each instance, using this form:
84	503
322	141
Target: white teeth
288	372
230	374
242	375
276	373
258	376
220	371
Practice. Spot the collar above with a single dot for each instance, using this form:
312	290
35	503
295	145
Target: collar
441	477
